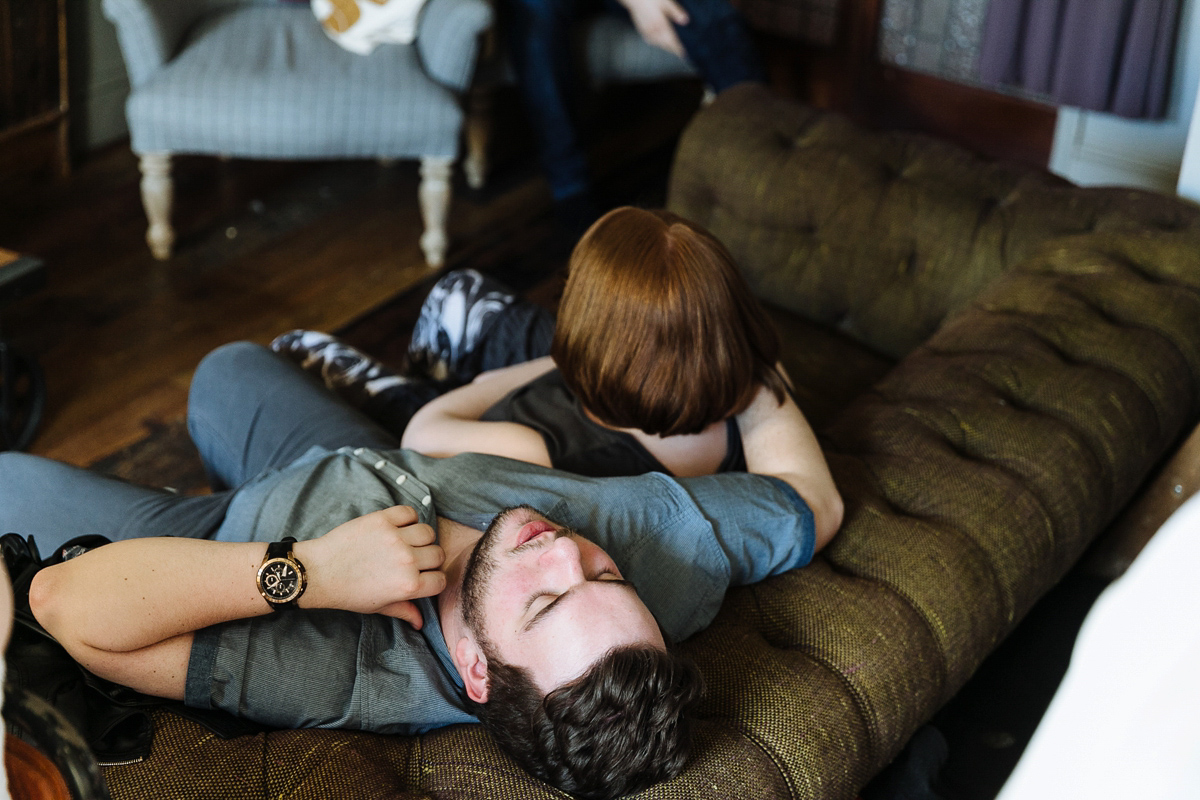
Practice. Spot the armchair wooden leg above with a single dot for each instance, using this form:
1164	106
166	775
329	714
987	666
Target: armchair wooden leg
434	195
157	196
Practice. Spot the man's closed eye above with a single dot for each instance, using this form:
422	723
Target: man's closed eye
607	578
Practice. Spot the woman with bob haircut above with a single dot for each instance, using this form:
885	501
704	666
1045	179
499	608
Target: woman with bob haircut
661	360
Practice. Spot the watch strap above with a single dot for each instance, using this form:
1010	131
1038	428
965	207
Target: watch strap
282	548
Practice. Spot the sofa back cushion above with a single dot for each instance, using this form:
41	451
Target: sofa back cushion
882	235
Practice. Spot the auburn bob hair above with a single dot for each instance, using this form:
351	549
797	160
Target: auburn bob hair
657	330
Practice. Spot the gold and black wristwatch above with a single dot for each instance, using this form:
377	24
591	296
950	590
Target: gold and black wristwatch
281	579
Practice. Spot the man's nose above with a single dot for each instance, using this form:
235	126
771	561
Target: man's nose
565	559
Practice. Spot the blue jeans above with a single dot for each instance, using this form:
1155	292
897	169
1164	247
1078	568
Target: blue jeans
249	411
538	35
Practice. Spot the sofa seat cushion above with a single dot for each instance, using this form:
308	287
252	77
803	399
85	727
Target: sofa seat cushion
265	82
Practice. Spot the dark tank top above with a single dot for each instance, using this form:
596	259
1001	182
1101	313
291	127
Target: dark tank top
577	444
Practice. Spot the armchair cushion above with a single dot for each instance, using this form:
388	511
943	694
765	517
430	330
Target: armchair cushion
265	82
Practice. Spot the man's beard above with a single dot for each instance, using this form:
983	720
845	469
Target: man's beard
478	572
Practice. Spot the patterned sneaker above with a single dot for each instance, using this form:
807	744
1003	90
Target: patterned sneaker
454	318
348	372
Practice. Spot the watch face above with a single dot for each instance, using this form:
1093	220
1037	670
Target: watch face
279	581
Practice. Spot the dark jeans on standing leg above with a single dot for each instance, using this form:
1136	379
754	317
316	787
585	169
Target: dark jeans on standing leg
538	33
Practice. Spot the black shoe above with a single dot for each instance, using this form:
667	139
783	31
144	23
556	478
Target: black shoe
346	371
454	319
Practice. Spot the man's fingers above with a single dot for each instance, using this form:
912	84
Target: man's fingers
655	20
399	515
428	557
662	36
405	610
672	43
429	583
418	535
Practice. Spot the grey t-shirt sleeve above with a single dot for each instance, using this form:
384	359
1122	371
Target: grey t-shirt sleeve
323	669
290	670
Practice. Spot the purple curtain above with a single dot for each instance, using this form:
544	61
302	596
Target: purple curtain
1106	55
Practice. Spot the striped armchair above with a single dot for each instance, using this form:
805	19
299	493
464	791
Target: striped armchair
259	79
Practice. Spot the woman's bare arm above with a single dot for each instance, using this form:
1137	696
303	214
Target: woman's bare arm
778	441
451	424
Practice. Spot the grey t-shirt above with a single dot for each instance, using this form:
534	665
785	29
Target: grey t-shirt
681	542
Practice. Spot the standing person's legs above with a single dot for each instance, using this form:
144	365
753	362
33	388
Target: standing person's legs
251	410
718	43
538	33
55	502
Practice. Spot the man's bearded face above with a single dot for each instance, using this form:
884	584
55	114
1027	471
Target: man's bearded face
538	595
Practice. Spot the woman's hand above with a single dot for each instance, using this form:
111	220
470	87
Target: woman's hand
375	564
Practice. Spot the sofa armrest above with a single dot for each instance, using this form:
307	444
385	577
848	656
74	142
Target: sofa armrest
448	39
150	31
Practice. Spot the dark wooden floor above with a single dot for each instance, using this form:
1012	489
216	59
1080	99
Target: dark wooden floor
262	247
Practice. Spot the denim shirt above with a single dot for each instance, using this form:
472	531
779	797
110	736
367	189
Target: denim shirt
680	542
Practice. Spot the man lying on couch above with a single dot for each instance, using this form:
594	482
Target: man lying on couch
407	603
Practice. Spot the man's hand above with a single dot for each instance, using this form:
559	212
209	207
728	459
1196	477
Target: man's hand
653	20
374	564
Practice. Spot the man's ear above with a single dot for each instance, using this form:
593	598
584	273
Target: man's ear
472	666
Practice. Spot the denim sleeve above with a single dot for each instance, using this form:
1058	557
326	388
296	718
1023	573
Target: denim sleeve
761	523
682	543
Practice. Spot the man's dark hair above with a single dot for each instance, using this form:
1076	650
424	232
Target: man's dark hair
620	727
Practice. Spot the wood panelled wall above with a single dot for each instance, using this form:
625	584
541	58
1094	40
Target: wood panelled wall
33	87
848	77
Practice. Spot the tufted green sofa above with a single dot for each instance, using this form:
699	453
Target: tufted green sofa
995	360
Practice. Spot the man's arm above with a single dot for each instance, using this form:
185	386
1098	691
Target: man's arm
127	611
779	442
451	424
